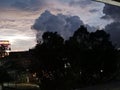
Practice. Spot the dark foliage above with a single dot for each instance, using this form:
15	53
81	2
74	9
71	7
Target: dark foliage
4	76
85	59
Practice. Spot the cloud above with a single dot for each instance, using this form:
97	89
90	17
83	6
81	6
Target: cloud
114	30
16	27
22	45
23	4
111	12
66	7
63	24
4	3
93	10
18	39
81	3
20	15
28	4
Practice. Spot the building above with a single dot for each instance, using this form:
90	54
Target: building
4	48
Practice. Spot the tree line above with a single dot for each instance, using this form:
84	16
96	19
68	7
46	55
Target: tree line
86	58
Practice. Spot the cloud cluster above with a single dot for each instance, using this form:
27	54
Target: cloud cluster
23	4
114	30
112	12
20	15
92	10
81	3
63	24
28	4
5	3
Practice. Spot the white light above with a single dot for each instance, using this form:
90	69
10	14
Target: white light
101	71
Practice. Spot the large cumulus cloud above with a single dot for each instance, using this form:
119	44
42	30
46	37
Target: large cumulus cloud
63	24
89	11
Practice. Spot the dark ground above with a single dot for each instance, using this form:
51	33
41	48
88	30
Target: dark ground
19	89
107	86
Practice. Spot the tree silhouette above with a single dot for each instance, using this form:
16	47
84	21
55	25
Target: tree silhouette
2	51
4	76
49	58
104	51
85	58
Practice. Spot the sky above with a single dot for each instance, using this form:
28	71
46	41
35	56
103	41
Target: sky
22	22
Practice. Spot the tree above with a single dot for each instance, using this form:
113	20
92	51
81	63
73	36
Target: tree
4	76
85	58
49	60
104	51
2	51
91	54
49	51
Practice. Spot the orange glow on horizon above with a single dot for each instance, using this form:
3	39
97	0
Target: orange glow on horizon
4	42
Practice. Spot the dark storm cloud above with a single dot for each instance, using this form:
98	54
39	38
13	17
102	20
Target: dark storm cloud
28	4
81	3
93	10
111	12
5	3
84	4
114	30
64	25
23	4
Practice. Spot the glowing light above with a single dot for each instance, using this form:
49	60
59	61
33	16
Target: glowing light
4	42
101	71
